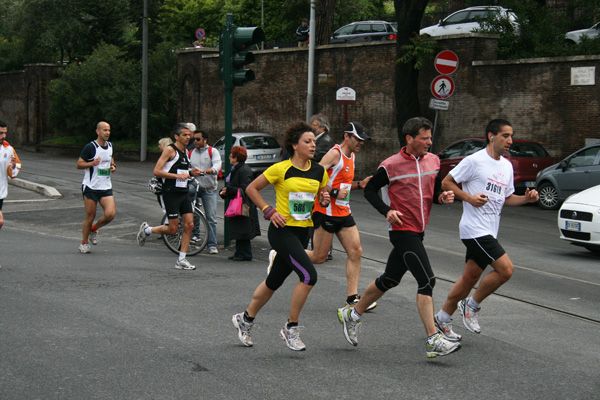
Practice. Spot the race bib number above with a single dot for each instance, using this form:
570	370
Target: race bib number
181	183
104	168
345	202
301	205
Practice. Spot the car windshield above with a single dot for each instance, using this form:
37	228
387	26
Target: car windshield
259	142
345	30
530	150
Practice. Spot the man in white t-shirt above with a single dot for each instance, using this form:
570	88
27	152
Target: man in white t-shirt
487	185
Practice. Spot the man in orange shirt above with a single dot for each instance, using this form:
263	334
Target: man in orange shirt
10	165
336	218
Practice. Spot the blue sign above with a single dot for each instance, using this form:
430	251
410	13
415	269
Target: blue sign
199	33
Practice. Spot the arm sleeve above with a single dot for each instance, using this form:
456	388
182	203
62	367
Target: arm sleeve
437	189
379	180
88	152
216	161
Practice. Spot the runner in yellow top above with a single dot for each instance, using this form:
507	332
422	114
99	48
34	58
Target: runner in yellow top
297	183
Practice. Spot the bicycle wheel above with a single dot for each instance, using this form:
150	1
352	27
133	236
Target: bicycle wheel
199	234
173	242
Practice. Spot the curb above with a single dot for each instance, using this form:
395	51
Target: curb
48	191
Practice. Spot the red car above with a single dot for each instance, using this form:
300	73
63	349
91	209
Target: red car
527	158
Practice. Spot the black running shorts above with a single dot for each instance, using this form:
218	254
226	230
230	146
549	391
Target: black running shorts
483	250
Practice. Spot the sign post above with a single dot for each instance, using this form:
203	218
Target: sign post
442	86
345	96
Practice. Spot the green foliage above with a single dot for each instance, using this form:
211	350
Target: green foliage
106	87
420	50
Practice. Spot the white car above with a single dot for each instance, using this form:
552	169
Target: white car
467	20
579	219
262	148
574	37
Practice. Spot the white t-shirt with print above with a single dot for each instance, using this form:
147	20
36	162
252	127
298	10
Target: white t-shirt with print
480	173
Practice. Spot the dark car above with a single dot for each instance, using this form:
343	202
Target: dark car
364	31
577	172
527	159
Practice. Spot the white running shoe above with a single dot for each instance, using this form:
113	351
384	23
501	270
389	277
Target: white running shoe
469	316
93	237
441	346
272	255
213	250
292	337
141	236
85	248
184	264
445	328
243	329
350	326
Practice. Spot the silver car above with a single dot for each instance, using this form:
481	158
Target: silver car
577	172
574	37
263	150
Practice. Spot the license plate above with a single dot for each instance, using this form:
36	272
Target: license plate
264	156
530	184
573	226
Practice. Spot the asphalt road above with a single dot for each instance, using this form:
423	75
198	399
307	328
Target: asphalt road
122	323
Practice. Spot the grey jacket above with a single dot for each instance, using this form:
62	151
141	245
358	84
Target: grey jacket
199	158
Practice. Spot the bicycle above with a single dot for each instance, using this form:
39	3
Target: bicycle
200	232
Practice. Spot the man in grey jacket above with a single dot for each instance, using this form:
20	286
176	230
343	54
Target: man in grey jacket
208	161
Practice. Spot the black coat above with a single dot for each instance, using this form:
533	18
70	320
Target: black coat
242	227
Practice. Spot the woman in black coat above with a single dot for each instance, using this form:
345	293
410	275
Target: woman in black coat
241	228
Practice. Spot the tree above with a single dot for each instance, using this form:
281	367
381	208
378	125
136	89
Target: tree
325	13
408	15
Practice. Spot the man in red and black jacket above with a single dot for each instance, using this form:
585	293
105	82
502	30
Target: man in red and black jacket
409	185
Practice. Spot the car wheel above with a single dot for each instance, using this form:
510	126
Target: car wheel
548	196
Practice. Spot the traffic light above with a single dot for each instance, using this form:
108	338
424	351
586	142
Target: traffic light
225	56
241	41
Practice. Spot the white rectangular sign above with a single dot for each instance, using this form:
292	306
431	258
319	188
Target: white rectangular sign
583	76
436	104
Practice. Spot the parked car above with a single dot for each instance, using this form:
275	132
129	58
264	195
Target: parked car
468	20
579	219
575	173
527	158
263	150
364	31
574	37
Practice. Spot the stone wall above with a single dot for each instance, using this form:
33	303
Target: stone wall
24	104
536	95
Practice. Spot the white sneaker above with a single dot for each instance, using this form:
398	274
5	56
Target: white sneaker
292	337
469	315
441	346
184	264
141	236
272	255
445	328
213	250
93	237
350	326
243	329
85	248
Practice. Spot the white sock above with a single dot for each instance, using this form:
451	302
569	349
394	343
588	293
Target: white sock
473	304
148	231
443	316
354	315
182	255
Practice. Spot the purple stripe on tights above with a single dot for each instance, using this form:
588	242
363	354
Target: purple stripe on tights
302	270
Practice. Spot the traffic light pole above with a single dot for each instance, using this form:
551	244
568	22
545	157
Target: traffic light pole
227	43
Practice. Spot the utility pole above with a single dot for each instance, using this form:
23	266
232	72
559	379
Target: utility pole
311	62
144	127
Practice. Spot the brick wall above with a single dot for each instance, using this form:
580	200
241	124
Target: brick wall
534	94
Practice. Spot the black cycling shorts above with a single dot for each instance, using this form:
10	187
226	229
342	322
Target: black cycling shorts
483	250
332	224
177	203
95	195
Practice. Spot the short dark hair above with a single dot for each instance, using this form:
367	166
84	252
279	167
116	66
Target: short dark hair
240	153
413	126
179	127
293	134
495	126
2	124
203	132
